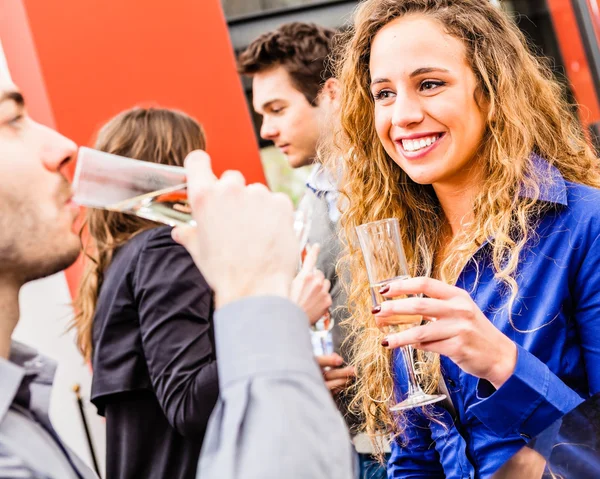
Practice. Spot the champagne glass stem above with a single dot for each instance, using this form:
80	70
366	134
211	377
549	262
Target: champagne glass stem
326	344
408	357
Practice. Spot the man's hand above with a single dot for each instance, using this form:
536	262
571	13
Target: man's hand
310	289
244	243
336	378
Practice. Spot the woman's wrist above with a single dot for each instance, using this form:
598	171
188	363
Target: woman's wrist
504	367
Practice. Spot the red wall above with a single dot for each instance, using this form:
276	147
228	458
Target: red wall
576	64
79	62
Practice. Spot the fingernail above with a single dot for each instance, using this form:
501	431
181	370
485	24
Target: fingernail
376	309
385	289
385	343
175	234
339	361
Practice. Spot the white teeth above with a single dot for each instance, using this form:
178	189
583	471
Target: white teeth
414	145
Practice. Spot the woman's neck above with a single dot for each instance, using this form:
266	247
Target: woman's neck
457	202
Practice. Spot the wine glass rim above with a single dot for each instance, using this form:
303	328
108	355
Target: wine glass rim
373	223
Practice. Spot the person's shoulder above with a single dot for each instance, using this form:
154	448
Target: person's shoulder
147	241
158	237
12	464
583	208
157	245
583	199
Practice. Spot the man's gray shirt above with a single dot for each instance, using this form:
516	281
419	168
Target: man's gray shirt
324	231
274	417
29	446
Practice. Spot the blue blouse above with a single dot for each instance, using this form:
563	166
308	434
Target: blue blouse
558	302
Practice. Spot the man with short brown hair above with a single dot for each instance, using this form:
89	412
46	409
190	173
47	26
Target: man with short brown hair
290	75
295	92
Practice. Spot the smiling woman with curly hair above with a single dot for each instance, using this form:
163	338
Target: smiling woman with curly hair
451	125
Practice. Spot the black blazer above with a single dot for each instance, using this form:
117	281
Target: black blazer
154	361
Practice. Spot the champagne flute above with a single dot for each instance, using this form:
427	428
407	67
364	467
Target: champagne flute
321	337
149	190
385	260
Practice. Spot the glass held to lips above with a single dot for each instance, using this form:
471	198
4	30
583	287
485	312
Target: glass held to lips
149	190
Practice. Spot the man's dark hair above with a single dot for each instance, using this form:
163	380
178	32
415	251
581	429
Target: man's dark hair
301	48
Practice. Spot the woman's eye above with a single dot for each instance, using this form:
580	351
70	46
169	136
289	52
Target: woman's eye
382	95
431	84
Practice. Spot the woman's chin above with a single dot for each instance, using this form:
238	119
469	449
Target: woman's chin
421	177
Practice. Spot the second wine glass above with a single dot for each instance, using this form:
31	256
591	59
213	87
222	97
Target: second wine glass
321	337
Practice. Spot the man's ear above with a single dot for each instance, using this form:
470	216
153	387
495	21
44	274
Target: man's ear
331	89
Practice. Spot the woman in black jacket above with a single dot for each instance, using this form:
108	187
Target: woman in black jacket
144	317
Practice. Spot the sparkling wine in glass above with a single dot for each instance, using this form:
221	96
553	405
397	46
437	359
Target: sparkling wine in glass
169	206
385	261
148	190
401	322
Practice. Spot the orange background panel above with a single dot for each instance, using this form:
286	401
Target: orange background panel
21	56
79	62
576	63
99	57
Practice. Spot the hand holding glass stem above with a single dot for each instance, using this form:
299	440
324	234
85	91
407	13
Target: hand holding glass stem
382	249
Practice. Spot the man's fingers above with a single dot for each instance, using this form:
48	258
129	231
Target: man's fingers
342	373
284	201
199	173
233	178
310	261
258	188
330	360
185	235
336	385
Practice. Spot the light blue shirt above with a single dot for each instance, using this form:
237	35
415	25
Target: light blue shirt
322	184
29	446
558	361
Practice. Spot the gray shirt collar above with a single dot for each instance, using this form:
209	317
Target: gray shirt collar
26	378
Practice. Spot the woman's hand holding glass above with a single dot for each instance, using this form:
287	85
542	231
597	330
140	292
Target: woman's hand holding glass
455	328
381	245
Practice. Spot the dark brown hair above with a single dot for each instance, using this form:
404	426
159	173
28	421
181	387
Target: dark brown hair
301	48
149	134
